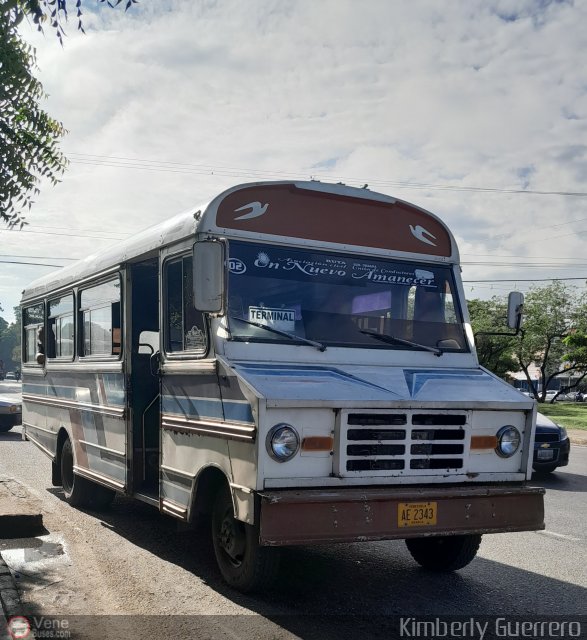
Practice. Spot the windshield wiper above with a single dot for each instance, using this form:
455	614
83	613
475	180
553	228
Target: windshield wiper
279	332
384	337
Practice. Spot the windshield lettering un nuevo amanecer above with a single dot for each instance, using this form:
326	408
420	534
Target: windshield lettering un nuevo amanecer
341	300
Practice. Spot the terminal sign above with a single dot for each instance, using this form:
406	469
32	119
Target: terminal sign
284	319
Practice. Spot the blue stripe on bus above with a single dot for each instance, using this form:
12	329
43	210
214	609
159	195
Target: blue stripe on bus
113	387
238	412
417	378
50	390
208	408
306	371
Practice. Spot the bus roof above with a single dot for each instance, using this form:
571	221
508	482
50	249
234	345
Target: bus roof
332	216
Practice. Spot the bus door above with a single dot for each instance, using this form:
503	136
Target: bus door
190	393
144	396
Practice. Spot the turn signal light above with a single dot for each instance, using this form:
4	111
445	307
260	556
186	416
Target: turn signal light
318	443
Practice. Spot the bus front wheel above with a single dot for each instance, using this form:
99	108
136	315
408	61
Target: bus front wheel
244	564
444	553
78	491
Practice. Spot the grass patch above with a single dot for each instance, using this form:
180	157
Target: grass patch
572	415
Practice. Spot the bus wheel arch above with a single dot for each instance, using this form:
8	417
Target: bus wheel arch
56	462
78	491
206	484
244	564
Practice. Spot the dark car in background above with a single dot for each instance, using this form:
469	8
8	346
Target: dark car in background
551	445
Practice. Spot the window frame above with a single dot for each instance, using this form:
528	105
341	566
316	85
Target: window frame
57	317
25	328
81	311
184	354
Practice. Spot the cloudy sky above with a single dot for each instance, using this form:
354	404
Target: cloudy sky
475	110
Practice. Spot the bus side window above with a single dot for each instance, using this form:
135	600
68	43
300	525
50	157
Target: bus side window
100	320
185	326
33	322
60	338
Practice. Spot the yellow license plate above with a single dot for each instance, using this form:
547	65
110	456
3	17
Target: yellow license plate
416	514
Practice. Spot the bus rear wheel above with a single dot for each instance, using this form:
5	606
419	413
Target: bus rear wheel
78	491
444	553
244	564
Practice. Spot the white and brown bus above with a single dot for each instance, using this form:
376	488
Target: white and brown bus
293	360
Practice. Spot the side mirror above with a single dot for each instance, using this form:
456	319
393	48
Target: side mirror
515	307
209	264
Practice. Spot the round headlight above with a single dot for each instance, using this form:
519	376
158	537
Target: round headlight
282	442
508	441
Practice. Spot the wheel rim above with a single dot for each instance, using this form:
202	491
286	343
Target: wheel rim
231	538
67	468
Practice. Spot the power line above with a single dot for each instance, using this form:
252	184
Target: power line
119	233
527	265
9	255
69	235
33	264
525	280
492	255
178	167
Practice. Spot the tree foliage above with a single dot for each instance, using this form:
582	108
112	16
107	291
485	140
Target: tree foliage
495	353
29	137
552	314
10	342
553	337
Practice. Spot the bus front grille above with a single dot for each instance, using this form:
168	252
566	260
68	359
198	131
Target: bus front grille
378	443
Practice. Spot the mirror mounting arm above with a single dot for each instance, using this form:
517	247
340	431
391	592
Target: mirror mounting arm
515	309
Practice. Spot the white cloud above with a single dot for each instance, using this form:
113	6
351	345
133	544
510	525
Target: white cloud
475	94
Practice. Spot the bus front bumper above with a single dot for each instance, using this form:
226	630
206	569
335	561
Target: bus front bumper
317	516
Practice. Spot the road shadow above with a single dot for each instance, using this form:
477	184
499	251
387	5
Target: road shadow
9	435
560	481
354	590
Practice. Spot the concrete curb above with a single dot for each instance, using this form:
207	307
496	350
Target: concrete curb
578	436
20	514
19	518
20	525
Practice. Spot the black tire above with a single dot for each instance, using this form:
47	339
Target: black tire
444	553
102	497
243	563
78	491
5	426
547	468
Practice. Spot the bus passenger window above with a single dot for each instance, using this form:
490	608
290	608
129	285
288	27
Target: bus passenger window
60	338
185	326
100	315
33	323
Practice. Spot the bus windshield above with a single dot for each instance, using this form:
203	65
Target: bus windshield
341	300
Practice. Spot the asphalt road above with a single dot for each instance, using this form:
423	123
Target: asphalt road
131	560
